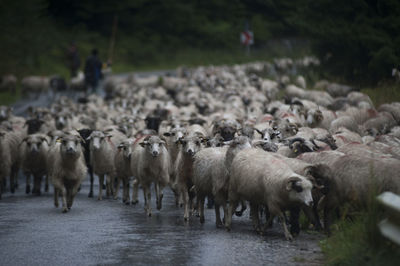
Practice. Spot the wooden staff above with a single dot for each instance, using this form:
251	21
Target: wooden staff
112	41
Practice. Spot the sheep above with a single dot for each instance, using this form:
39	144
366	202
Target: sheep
355	178
173	137
320	175
9	158
78	83
301	82
34	84
338	90
102	151
344	121
67	169
8	83
122	162
262	179
33	154
85	143
150	164
343	136
211	174
382	123
190	145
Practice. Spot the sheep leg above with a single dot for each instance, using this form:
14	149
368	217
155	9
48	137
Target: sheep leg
109	182
254	213
28	183
312	216
13	178
186	204
101	181
37	183
231	208
160	196
218	221
69	198
135	190
64	199
285	229
327	220
56	191
125	191
91	181
294	221
147	193
200	207
46	187
117	188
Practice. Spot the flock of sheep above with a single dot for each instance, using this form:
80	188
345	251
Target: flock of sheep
226	133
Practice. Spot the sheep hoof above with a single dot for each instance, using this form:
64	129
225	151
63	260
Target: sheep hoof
202	220
185	219
65	210
228	229
12	190
115	197
289	237
90	194
98	198
56	205
219	224
28	190
46	188
149	214
127	202
134	202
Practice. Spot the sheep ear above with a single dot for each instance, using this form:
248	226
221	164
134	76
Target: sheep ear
204	139
167	134
143	144
43	139
258	131
292	184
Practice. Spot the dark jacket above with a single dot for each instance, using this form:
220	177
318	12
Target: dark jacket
92	70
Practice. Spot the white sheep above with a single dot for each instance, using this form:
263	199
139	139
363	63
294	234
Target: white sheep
122	162
34	84
33	154
67	169
150	164
190	145
103	146
211	174
9	158
262	179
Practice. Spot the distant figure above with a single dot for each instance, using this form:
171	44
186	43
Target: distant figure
73	59
92	70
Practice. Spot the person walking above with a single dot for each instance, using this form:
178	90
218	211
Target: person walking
73	59
92	71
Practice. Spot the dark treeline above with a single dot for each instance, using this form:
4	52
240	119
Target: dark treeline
356	39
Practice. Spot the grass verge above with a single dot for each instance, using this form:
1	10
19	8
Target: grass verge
357	241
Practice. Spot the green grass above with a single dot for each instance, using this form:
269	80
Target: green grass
384	93
356	239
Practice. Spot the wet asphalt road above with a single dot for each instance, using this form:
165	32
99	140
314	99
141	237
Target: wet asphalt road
34	232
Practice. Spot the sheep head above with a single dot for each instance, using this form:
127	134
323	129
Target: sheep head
299	189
